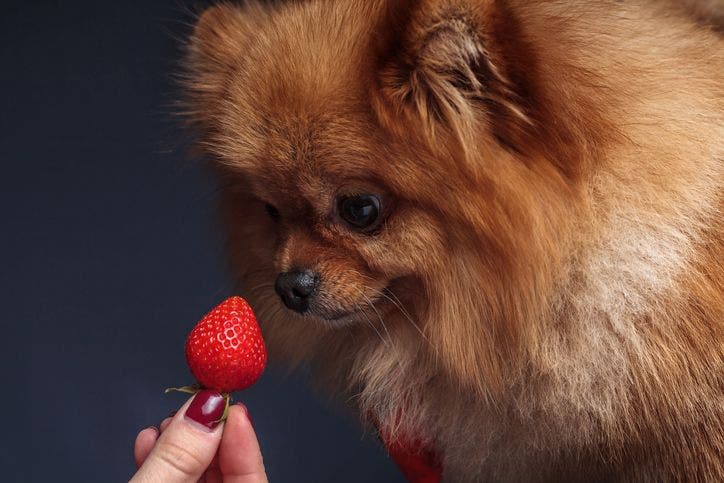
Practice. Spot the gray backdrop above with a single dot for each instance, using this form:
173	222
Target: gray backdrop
110	253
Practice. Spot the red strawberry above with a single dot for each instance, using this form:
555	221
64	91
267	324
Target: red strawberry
225	351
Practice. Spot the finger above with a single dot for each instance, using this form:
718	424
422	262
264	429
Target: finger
213	473
144	444
164	424
186	447
240	458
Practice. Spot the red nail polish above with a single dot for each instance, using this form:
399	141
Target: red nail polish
206	408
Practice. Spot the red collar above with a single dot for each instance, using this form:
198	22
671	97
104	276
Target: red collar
418	463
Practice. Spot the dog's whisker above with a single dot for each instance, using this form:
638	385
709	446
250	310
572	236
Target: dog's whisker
257	271
223	288
369	322
271	315
398	304
372	306
260	287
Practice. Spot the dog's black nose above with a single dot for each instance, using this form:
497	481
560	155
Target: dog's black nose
296	287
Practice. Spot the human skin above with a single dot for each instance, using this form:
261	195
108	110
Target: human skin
193	446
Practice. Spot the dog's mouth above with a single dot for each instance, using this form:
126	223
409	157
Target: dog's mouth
369	310
344	316
341	317
335	310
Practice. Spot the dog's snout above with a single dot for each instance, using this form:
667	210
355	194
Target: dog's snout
296	288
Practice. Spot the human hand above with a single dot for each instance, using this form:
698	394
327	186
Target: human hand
192	446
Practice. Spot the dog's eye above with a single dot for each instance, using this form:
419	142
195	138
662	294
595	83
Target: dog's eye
361	212
272	211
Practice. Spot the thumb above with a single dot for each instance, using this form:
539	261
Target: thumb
240	459
185	449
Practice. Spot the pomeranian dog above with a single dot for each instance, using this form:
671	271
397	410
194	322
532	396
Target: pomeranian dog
494	227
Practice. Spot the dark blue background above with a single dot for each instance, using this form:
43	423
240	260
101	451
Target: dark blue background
110	253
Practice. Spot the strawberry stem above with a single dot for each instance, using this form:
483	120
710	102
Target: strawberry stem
185	389
227	401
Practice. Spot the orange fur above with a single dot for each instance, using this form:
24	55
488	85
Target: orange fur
545	300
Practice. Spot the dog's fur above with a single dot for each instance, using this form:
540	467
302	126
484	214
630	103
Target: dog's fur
545	300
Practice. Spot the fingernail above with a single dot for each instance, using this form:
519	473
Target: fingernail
206	408
246	411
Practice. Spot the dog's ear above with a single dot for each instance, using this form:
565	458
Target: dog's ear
219	35
445	69
215	48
